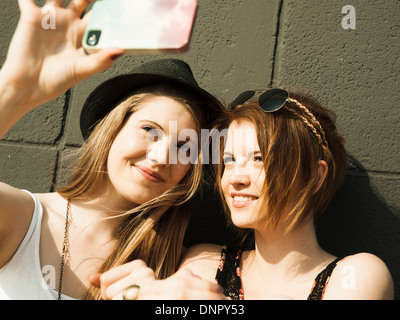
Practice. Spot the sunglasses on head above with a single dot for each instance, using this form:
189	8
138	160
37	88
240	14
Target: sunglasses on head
269	101
274	99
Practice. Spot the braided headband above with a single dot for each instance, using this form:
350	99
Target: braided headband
274	99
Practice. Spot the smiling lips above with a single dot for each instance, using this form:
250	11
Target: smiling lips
149	174
240	200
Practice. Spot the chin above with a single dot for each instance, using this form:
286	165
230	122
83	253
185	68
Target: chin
134	199
242	223
140	194
141	199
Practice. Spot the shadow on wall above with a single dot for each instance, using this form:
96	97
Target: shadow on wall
208	223
357	220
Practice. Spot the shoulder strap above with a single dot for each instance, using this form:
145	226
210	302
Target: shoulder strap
321	281
228	273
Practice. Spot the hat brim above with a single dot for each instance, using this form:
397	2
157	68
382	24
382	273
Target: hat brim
113	91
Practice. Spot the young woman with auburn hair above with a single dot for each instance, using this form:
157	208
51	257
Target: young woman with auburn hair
281	163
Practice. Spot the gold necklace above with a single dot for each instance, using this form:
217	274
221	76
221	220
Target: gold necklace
65	256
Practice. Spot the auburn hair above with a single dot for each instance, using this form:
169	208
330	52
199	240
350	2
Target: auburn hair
290	144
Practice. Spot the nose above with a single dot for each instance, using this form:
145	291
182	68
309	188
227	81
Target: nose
158	153
239	177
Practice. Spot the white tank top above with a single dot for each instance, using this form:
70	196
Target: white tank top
23	278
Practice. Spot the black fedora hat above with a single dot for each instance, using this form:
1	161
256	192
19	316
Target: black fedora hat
113	91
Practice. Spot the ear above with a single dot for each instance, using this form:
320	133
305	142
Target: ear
323	171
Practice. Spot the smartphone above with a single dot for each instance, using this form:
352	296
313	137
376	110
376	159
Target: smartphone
140	26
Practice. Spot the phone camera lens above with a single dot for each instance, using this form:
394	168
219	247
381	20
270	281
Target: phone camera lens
92	40
93	37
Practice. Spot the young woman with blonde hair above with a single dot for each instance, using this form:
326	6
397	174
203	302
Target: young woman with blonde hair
126	198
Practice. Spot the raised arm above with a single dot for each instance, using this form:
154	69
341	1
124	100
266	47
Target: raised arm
44	63
41	65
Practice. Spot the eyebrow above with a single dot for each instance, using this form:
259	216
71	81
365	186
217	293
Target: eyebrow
252	152
154	123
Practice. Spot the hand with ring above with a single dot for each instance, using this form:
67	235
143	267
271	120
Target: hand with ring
123	282
136	281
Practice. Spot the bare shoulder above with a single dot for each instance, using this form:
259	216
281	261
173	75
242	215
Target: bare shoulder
16	209
205	252
12	199
52	201
202	260
362	276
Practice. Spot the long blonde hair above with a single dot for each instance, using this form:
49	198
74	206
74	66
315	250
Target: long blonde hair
153	231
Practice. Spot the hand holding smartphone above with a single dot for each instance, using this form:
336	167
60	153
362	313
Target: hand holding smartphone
140	26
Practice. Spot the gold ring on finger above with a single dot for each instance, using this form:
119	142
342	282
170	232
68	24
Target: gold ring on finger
131	292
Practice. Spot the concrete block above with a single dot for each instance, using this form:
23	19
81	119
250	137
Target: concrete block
66	162
28	167
44	124
9	14
353	71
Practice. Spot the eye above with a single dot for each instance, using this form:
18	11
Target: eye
258	159
148	128
228	159
152	133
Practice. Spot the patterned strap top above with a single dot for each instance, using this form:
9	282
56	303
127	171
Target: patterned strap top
228	276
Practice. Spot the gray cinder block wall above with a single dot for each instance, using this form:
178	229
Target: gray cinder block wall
348	57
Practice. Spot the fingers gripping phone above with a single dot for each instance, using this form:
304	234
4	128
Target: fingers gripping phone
140	26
